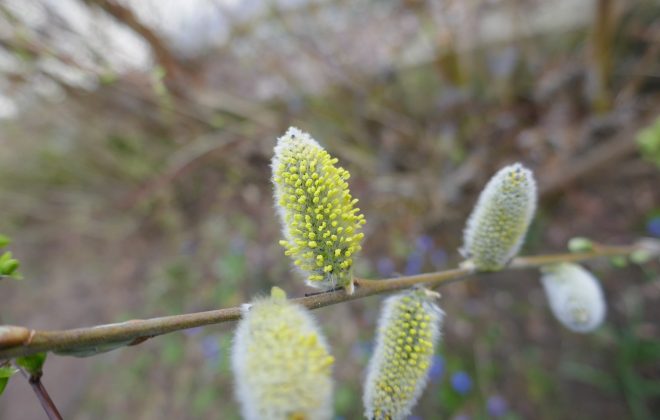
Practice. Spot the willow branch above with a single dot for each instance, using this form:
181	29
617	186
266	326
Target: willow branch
20	341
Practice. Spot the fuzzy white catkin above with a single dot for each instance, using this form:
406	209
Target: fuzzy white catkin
497	226
281	362
575	296
408	331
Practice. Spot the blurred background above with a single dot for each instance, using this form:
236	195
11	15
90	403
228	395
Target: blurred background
135	142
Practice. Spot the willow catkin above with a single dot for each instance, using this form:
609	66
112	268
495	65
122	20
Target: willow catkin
281	362
321	226
408	331
497	226
575	296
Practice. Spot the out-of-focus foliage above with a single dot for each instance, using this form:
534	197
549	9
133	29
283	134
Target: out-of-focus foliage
648	140
8	264
33	363
6	372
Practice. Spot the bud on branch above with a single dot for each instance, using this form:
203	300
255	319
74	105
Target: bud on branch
319	220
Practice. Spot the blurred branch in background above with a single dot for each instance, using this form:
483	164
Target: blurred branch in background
124	15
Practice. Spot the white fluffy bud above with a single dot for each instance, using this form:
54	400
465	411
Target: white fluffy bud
281	362
497	226
575	296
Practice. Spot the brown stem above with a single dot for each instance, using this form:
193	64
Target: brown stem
43	396
135	331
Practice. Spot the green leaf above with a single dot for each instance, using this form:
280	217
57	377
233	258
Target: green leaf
204	400
590	375
9	267
648	141
6	372
647	351
4	240
580	244
619	261
32	363
107	78
6	256
173	351
641	256
651	388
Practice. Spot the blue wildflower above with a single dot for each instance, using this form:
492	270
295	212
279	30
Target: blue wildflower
653	226
211	349
496	406
190	332
385	267
424	243
361	349
414	263
437	368
439	258
461	382
237	244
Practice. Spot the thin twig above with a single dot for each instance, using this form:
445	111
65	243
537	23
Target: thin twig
20	341
43	396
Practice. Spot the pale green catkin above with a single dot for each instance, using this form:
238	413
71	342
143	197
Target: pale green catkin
321	226
281	362
408	332
575	296
497	226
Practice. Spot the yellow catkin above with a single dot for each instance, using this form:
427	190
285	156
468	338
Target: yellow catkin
281	362
408	331
321	225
